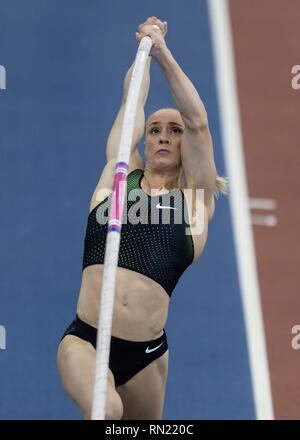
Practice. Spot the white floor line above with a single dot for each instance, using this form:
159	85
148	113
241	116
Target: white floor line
268	204
264	220
234	159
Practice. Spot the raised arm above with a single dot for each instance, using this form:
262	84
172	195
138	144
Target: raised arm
115	133
196	146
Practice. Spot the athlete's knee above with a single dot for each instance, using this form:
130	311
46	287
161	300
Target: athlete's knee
87	413
114	407
65	352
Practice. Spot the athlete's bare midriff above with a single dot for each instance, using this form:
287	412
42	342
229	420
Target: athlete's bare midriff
140	305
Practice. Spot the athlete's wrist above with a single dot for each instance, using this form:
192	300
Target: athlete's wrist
161	54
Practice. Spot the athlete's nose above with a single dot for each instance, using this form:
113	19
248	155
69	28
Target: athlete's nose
163	140
163	136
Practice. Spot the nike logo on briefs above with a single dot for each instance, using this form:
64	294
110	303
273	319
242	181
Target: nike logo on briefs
164	207
149	350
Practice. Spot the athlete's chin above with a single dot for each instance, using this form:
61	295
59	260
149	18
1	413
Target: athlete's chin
166	161
165	166
163	163
168	165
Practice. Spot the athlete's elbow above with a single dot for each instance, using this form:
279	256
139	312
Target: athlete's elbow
198	123
204	178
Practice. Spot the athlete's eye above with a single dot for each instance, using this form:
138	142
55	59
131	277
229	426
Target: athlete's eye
154	129
177	130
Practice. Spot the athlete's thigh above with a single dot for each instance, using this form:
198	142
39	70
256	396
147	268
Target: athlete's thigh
144	394
76	361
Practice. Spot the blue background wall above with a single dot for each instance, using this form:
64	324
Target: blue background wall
65	63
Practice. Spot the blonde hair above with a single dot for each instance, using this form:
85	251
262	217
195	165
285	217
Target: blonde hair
221	186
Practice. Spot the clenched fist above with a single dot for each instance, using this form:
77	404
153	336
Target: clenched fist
156	35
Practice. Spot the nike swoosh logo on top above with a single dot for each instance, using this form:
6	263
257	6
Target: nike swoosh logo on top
164	207
149	350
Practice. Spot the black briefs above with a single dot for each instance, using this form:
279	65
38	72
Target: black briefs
126	358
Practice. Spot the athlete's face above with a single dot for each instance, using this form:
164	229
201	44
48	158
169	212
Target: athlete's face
164	130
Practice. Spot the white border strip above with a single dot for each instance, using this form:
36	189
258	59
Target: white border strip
234	159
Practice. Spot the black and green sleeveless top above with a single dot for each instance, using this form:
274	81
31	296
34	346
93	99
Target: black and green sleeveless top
155	237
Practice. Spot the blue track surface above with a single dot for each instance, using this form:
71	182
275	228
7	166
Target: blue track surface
65	64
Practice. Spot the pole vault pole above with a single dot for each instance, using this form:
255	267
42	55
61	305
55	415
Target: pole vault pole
114	232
